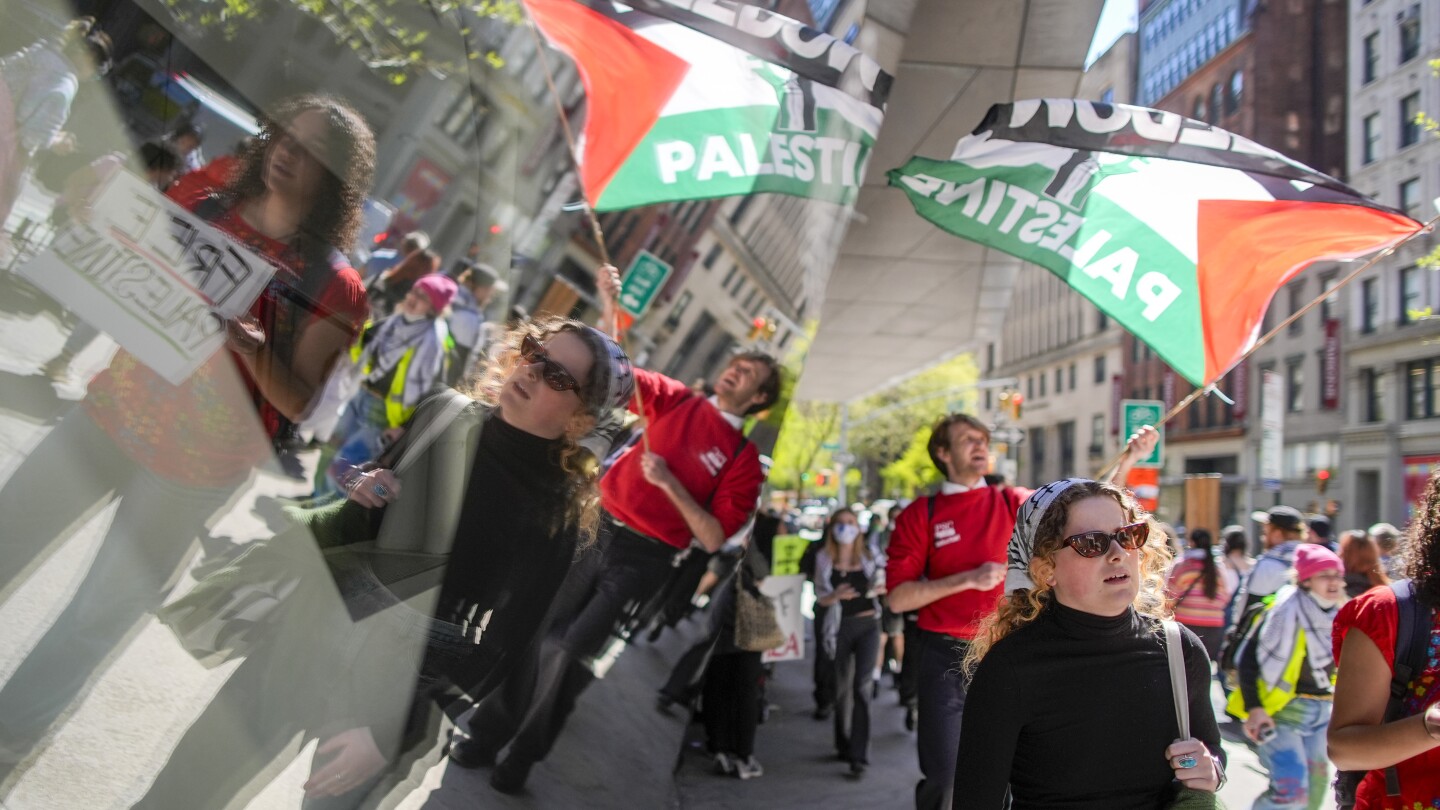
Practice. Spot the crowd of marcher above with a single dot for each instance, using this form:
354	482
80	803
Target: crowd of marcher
502	505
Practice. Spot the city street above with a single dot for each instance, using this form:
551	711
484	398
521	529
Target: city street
121	732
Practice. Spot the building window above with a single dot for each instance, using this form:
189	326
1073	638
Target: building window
1059	380
1102	322
1235	93
1029	387
730	276
1370	64
1217	101
1295	385
1072	376
1422	379
710	257
1374	382
678	311
1296	293
1067	448
1410	34
1332	299
1410	297
1370	150
1043	377
1410	196
1037	451
1369	305
1198	110
1409	127
1097	435
1099	369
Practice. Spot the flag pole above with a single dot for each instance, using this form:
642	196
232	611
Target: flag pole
595	230
1268	336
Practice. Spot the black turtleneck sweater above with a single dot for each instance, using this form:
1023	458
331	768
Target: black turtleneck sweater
1074	711
512	549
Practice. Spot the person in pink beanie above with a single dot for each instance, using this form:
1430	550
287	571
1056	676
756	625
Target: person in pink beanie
398	361
1287	680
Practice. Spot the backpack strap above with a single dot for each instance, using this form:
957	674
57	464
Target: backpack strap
1412	623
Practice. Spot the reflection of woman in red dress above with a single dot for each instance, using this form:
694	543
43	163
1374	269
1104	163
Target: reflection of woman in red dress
174	454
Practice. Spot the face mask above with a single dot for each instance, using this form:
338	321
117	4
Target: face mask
413	318
846	533
1323	602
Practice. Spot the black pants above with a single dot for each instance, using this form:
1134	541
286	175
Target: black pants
731	698
857	645
910	665
942	702
536	700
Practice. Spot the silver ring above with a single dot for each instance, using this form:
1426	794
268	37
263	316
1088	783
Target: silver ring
380	491
1186	762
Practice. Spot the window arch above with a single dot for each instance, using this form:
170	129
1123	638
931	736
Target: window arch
1197	110
1234	92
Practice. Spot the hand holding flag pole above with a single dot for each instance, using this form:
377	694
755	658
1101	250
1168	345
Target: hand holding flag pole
1268	336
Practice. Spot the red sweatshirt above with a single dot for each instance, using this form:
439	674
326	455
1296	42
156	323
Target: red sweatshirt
968	530
693	437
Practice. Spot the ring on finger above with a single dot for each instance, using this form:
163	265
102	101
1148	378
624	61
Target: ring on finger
1186	761
381	491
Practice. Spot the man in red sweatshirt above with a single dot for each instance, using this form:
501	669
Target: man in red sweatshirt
698	479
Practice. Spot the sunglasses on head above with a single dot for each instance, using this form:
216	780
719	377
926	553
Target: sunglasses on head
555	375
1093	544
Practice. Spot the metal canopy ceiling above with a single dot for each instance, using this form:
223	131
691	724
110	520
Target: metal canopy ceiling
903	295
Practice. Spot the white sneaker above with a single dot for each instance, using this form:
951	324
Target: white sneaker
749	768
724	764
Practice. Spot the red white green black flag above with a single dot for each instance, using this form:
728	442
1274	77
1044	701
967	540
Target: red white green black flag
693	99
1180	231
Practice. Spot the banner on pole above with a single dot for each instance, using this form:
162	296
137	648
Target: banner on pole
158	279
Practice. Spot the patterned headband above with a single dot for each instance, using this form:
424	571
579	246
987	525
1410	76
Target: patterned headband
1022	541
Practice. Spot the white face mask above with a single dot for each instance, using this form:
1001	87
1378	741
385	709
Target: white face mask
845	533
413	318
1323	602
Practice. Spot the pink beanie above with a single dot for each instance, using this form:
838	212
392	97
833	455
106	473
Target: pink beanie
438	288
1311	559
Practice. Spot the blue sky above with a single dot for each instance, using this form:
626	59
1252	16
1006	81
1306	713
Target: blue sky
1118	17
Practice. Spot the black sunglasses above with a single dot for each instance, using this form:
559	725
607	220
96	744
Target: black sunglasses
1093	544
555	375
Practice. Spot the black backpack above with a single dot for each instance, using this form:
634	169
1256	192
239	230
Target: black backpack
1236	635
1413	619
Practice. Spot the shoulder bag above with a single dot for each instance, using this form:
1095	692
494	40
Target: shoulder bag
1186	798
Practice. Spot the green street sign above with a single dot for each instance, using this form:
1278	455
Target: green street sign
1137	413
643	281
832	446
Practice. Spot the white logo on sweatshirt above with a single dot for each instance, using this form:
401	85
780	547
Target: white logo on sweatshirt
945	534
714	460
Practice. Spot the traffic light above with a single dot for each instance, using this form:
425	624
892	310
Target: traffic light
757	326
1322	480
821	480
762	327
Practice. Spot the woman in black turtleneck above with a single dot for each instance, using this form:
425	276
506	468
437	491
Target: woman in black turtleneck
1070	703
503	497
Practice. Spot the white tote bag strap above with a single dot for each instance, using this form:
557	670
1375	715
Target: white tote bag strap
455	402
1179	689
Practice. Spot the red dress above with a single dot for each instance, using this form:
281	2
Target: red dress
1373	613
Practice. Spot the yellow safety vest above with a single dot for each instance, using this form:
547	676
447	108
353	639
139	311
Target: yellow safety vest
1272	698
396	413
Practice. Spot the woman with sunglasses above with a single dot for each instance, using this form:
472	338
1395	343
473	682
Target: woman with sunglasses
1070	703
1286	681
509	482
845	580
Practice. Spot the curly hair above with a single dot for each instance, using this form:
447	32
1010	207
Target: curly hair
334	220
1422	547
1024	606
583	502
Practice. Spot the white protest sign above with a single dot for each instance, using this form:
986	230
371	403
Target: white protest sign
159	279
786	593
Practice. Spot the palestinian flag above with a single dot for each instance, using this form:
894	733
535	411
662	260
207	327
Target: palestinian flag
1180	231
690	100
